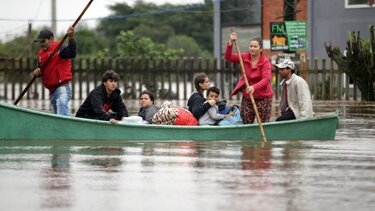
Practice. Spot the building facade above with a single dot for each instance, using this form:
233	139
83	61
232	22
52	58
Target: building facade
331	21
328	21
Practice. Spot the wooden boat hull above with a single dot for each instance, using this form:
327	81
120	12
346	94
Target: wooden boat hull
26	124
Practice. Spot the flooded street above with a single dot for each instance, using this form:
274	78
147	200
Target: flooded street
190	175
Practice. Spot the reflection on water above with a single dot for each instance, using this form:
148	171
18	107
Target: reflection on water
189	175
106	157
56	180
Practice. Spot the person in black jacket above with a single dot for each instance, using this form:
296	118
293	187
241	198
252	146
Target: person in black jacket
197	104
104	98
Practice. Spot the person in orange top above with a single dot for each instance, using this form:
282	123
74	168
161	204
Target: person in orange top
258	72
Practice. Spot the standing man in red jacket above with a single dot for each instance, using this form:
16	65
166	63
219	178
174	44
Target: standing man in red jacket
58	73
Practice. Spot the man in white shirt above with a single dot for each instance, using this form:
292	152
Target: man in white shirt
295	100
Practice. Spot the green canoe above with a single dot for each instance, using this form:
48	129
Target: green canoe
26	124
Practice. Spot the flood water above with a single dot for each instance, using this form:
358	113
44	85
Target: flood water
190	175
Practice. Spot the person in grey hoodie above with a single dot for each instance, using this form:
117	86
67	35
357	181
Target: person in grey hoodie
148	109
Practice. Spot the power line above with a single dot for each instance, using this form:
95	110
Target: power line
37	10
116	17
14	29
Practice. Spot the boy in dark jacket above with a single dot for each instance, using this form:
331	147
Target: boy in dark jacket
104	98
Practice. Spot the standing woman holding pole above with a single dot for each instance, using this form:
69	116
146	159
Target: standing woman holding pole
258	72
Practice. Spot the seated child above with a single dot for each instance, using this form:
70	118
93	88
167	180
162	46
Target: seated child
212	116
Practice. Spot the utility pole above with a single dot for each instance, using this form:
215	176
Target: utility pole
217	39
30	37
290	15
289	10
53	15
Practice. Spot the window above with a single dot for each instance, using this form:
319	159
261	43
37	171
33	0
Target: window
241	12
357	4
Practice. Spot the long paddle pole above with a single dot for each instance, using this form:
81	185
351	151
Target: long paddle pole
45	64
250	95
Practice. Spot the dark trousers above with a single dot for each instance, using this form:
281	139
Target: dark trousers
287	115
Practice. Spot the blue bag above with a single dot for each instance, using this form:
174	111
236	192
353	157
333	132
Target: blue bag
233	120
223	108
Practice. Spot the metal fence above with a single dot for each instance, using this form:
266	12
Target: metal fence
167	78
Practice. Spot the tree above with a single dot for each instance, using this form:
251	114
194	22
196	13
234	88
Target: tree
158	34
19	47
190	46
160	22
129	45
89	43
358	63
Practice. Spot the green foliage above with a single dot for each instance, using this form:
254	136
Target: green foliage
190	46
358	63
161	22
20	46
159	34
129	45
2	49
192	24
88	42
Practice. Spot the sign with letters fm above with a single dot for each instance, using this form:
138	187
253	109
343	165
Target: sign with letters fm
288	35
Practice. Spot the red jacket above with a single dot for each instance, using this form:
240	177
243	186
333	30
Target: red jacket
259	76
58	70
184	117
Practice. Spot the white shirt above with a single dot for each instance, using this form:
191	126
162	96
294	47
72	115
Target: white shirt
299	97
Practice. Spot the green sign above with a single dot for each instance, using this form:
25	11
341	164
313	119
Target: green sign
278	36
297	35
289	35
